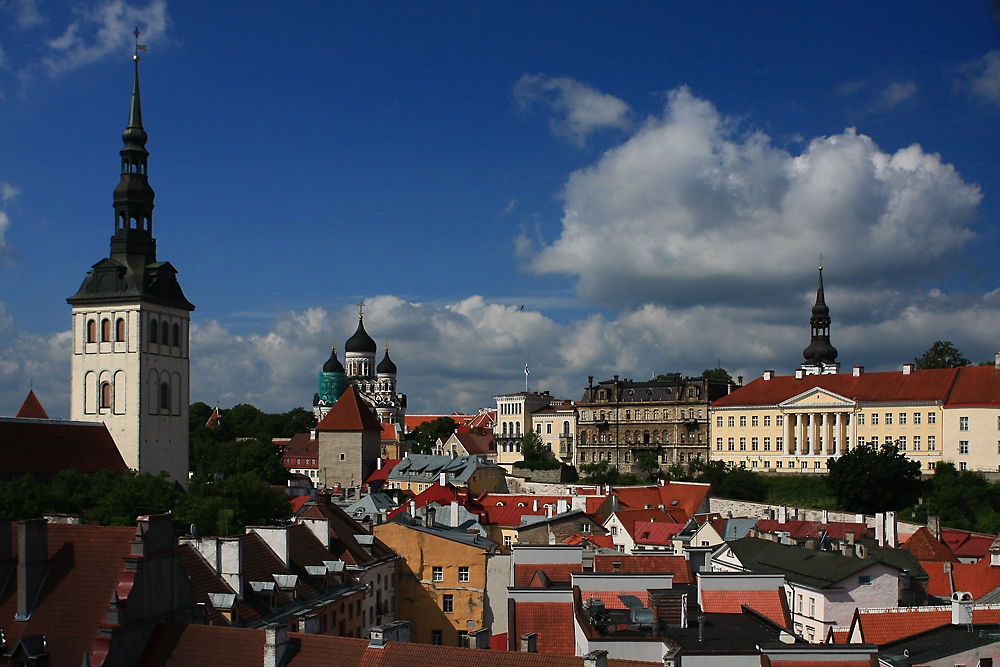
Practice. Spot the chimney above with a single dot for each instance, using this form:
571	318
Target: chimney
534	505
849	538
480	638
934	525
32	564
230	559
961	608
443	479
413	508
859	371
662	482
454	514
275	645
826	516
880	528
996	362
548	510
907	369
859	518
597	658
768	375
378	463
891	530
561	506
783	514
275	537
397	631
799	373
431	512
529	642
614	504
319	527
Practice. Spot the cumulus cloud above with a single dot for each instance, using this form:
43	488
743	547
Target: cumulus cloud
7	254
982	78
33	361
689	211
579	109
102	30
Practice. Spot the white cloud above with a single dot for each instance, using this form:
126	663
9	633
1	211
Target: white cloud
982	77
581	110
895	94
8	191
105	29
688	211
28	15
38	361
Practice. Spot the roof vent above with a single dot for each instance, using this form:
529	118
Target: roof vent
768	375
799	373
907	369
859	371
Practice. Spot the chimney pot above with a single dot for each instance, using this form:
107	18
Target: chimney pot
907	369
768	374
799	373
529	642
597	658
859	371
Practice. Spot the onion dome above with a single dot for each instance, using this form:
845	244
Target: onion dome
361	341
333	364
386	367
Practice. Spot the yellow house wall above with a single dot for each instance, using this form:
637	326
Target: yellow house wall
420	598
983	436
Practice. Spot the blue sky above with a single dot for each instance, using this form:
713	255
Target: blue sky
652	182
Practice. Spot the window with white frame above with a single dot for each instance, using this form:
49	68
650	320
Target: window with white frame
963	423
931	418
931	443
463	574
963	446
437	573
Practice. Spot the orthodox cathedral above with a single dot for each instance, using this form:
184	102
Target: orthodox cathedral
375	384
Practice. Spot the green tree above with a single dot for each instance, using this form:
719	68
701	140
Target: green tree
648	464
599	473
532	448
427	434
716	374
942	354
872	480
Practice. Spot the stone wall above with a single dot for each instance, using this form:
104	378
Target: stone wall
558	476
738	508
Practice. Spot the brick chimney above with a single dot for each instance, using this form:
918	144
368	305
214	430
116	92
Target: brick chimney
275	645
32	564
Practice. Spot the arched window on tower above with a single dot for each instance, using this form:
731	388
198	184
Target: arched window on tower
91	331
120	330
164	333
164	397
105	330
177	335
154	331
105	395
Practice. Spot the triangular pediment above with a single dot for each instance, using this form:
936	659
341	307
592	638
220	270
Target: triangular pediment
817	397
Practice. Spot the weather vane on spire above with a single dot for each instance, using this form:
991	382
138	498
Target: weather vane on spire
361	309
821	262
138	47
335	343
386	344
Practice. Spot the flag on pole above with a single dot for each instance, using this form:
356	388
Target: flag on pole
213	419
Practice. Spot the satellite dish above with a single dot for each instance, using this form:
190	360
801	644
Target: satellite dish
194	530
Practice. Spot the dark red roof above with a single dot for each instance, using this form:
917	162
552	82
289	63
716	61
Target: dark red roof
301	444
925	385
44	447
552	622
478	444
350	413
676	565
769	603
441	495
605	541
803	529
555	573
382	474
976	385
31	408
343	545
925	548
966	544
86	567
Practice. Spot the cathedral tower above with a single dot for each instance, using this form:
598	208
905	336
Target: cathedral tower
130	367
820	356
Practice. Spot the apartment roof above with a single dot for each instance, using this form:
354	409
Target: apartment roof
676	565
46	446
471	539
478	444
656	533
978	579
552	622
350	413
806	529
442	495
605	541
686	496
343	534
818	569
552	574
629	518
976	386
382	474
428	468
966	544
883	626
941	645
769	603
925	547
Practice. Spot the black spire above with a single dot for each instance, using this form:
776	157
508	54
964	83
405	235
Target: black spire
133	239
361	341
820	351
386	366
333	364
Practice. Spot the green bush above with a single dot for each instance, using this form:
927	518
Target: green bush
545	464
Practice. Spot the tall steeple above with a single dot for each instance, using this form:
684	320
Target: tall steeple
820	356
133	240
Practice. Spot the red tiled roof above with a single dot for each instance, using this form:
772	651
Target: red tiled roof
656	533
973	578
44	447
86	568
382	474
389	432
478	444
676	565
350	413
201	645
611	599
413	421
925	547
768	603
966	544
605	541
883	627
802	529
557	573
31	408
442	495
514	499
510	517
821	662
688	497
629	518
297	502
924	385
976	385
551	621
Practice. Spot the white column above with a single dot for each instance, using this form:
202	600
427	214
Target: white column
827	434
854	432
839	428
813	432
800	434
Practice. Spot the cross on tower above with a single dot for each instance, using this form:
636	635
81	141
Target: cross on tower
361	309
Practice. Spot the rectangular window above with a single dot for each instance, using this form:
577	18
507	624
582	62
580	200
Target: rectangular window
931	418
718	421
931	443
779	444
875	441
743	444
805	464
888	419
902	419
743	420
463	574
753	464
718	444
901	443
916	419
436	637
448	603
963	465
963	423
732	444
778	464
798	603
767	420
507	540
767	464
861	420
754	444
437	572
767	445
753	420
916	443
874	419
963	446
463	639
732	421
817	464
812	607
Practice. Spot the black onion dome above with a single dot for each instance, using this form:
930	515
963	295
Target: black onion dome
360	341
333	364
386	367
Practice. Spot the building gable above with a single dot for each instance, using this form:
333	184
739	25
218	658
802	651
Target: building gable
817	397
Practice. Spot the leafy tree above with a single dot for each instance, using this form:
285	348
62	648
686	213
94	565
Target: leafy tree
135	494
716	374
532	448
599	473
942	354
872	480
668	377
427	434
648	464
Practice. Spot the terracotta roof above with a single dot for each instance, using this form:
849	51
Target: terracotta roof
510	517
768	603
656	533
551	621
86	568
46	446
556	573
966	544
612	600
976	385
413	421
973	578
442	495
885	626
629	518
676	565
389	432
925	547
605	541
381	474
925	385
350	413
478	444
201	645
803	529
301	444
31	408
514	499
688	497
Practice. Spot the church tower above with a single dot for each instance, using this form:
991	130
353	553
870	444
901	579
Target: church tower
820	356
130	367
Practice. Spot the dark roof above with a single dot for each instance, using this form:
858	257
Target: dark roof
343	529
818	569
937	645
386	366
360	341
333	364
31	408
478	444
301	444
350	413
630	391
460	535
976	385
46	446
